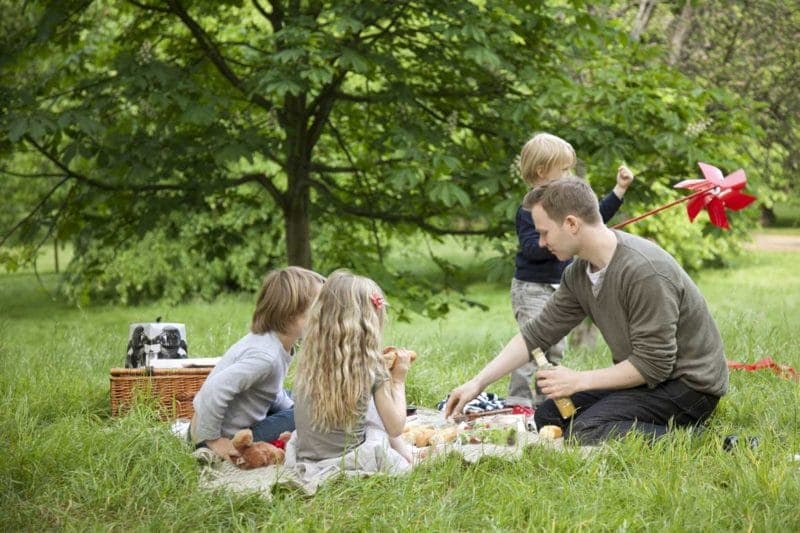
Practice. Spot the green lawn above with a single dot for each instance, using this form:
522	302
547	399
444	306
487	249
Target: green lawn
68	464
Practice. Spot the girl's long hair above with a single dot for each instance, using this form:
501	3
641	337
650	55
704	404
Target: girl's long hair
340	358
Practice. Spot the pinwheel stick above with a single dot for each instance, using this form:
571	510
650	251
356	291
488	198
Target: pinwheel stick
714	193
661	208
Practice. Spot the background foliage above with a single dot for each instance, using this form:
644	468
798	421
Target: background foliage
184	147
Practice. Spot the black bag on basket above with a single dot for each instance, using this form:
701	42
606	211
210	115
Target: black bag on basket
155	340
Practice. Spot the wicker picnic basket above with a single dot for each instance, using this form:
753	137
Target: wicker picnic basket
174	388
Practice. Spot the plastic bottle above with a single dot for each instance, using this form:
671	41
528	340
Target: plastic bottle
564	405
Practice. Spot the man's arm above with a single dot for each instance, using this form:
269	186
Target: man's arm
561	381
513	355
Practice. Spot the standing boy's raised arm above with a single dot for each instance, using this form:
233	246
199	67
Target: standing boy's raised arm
624	180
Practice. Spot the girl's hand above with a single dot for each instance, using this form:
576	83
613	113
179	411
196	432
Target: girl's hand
401	364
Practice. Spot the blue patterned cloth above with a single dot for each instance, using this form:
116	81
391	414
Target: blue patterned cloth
485	401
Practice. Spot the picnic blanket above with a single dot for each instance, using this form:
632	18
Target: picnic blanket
373	457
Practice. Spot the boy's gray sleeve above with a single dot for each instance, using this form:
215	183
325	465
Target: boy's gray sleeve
282	401
211	403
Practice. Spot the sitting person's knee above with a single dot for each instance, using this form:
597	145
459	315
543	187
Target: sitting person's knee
587	432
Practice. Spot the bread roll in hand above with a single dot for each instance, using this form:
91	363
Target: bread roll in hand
390	356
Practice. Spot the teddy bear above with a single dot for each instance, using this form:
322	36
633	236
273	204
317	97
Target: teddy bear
257	454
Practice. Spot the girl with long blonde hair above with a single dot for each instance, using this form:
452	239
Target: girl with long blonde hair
342	386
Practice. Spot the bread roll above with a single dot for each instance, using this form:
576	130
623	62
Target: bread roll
390	356
550	432
422	438
419	436
444	435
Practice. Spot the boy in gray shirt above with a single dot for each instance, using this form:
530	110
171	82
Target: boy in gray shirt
245	389
669	364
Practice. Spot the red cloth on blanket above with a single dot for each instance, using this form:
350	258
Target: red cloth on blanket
784	371
521	410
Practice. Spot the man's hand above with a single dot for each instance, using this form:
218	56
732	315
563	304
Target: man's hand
559	382
624	180
224	448
460	396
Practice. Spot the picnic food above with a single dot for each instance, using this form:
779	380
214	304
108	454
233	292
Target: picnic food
427	435
550	432
444	435
390	356
499	436
256	454
564	405
419	436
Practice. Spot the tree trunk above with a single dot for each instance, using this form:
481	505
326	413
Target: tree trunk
298	234
681	31
768	217
646	8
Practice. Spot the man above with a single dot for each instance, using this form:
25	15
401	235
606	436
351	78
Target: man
669	364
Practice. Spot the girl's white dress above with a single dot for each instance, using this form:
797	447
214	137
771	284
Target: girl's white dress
374	455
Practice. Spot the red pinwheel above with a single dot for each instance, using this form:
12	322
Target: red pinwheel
715	193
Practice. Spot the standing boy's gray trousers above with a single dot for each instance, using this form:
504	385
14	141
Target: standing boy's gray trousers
527	301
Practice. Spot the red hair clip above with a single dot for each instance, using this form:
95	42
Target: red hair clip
377	300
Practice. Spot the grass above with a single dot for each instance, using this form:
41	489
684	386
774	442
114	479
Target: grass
66	464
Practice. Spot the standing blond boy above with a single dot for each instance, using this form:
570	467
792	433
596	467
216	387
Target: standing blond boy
537	273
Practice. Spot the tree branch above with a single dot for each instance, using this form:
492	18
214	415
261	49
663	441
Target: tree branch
211	51
34	210
263	180
333	169
395	216
441	118
321	106
276	18
148	7
37	175
70	174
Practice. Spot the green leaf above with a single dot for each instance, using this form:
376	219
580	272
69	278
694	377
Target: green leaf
483	56
352	60
289	55
17	129
281	88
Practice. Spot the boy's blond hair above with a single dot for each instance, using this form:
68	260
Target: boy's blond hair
285	295
341	357
543	152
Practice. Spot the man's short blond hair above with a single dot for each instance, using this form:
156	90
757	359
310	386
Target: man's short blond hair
563	197
285	295
544	151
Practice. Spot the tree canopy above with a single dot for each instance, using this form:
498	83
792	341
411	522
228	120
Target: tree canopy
184	146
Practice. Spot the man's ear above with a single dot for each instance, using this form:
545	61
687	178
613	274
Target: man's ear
572	224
